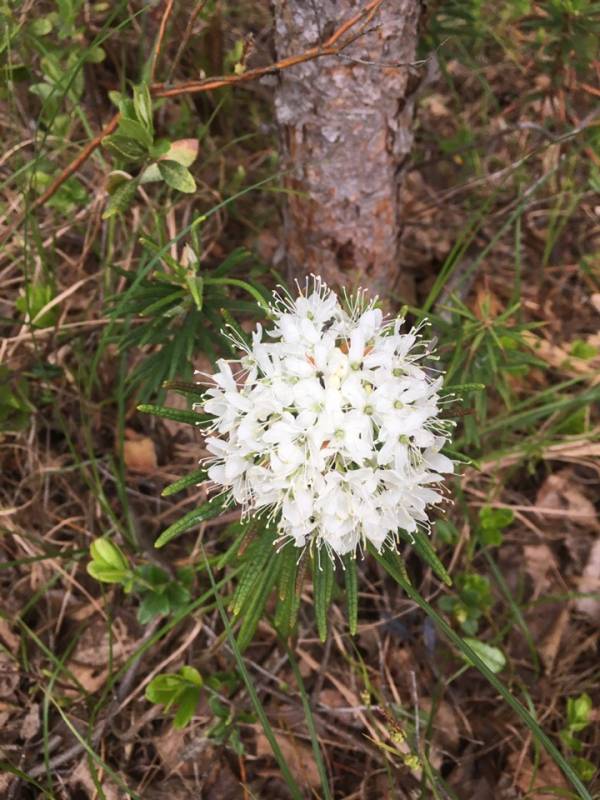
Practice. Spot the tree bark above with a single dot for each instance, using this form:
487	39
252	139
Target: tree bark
346	128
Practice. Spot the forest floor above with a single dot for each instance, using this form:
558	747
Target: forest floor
500	244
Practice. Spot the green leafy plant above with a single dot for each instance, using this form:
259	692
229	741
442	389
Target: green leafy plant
32	303
485	348
160	594
183	691
15	404
179	690
579	717
156	159
473	599
225	728
109	564
492	522
178	310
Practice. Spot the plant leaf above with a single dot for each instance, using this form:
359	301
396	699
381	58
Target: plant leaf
351	592
492	657
175	414
322	588
207	511
177	176
121	198
194	478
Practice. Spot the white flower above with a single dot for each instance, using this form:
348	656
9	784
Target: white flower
331	424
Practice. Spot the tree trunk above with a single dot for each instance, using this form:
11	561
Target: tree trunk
346	130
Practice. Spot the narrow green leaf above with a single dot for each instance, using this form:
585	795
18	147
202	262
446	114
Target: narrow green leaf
207	511
310	724
258	599
130	149
177	176
392	561
351	592
166	300
256	559
468	652
288	601
423	547
186	388
175	414
121	199
194	478
142	102
258	708
132	129
322	588
465	387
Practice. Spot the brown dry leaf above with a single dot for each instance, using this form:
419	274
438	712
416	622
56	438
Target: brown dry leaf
595	299
436	105
173	789
31	724
8	710
548	648
560	358
560	492
539	561
90	659
446	726
10	639
267	243
446	733
95	643
590	582
139	452
81	776
170	748
547	777
332	698
91	678
9	675
298	756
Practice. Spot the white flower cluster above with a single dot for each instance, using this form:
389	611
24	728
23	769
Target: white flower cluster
331	424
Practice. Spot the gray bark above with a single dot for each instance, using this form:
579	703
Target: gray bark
345	129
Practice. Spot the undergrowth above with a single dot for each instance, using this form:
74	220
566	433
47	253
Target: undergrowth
467	662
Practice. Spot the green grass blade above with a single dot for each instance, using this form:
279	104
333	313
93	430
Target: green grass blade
93	755
423	547
257	705
516	706
310	724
